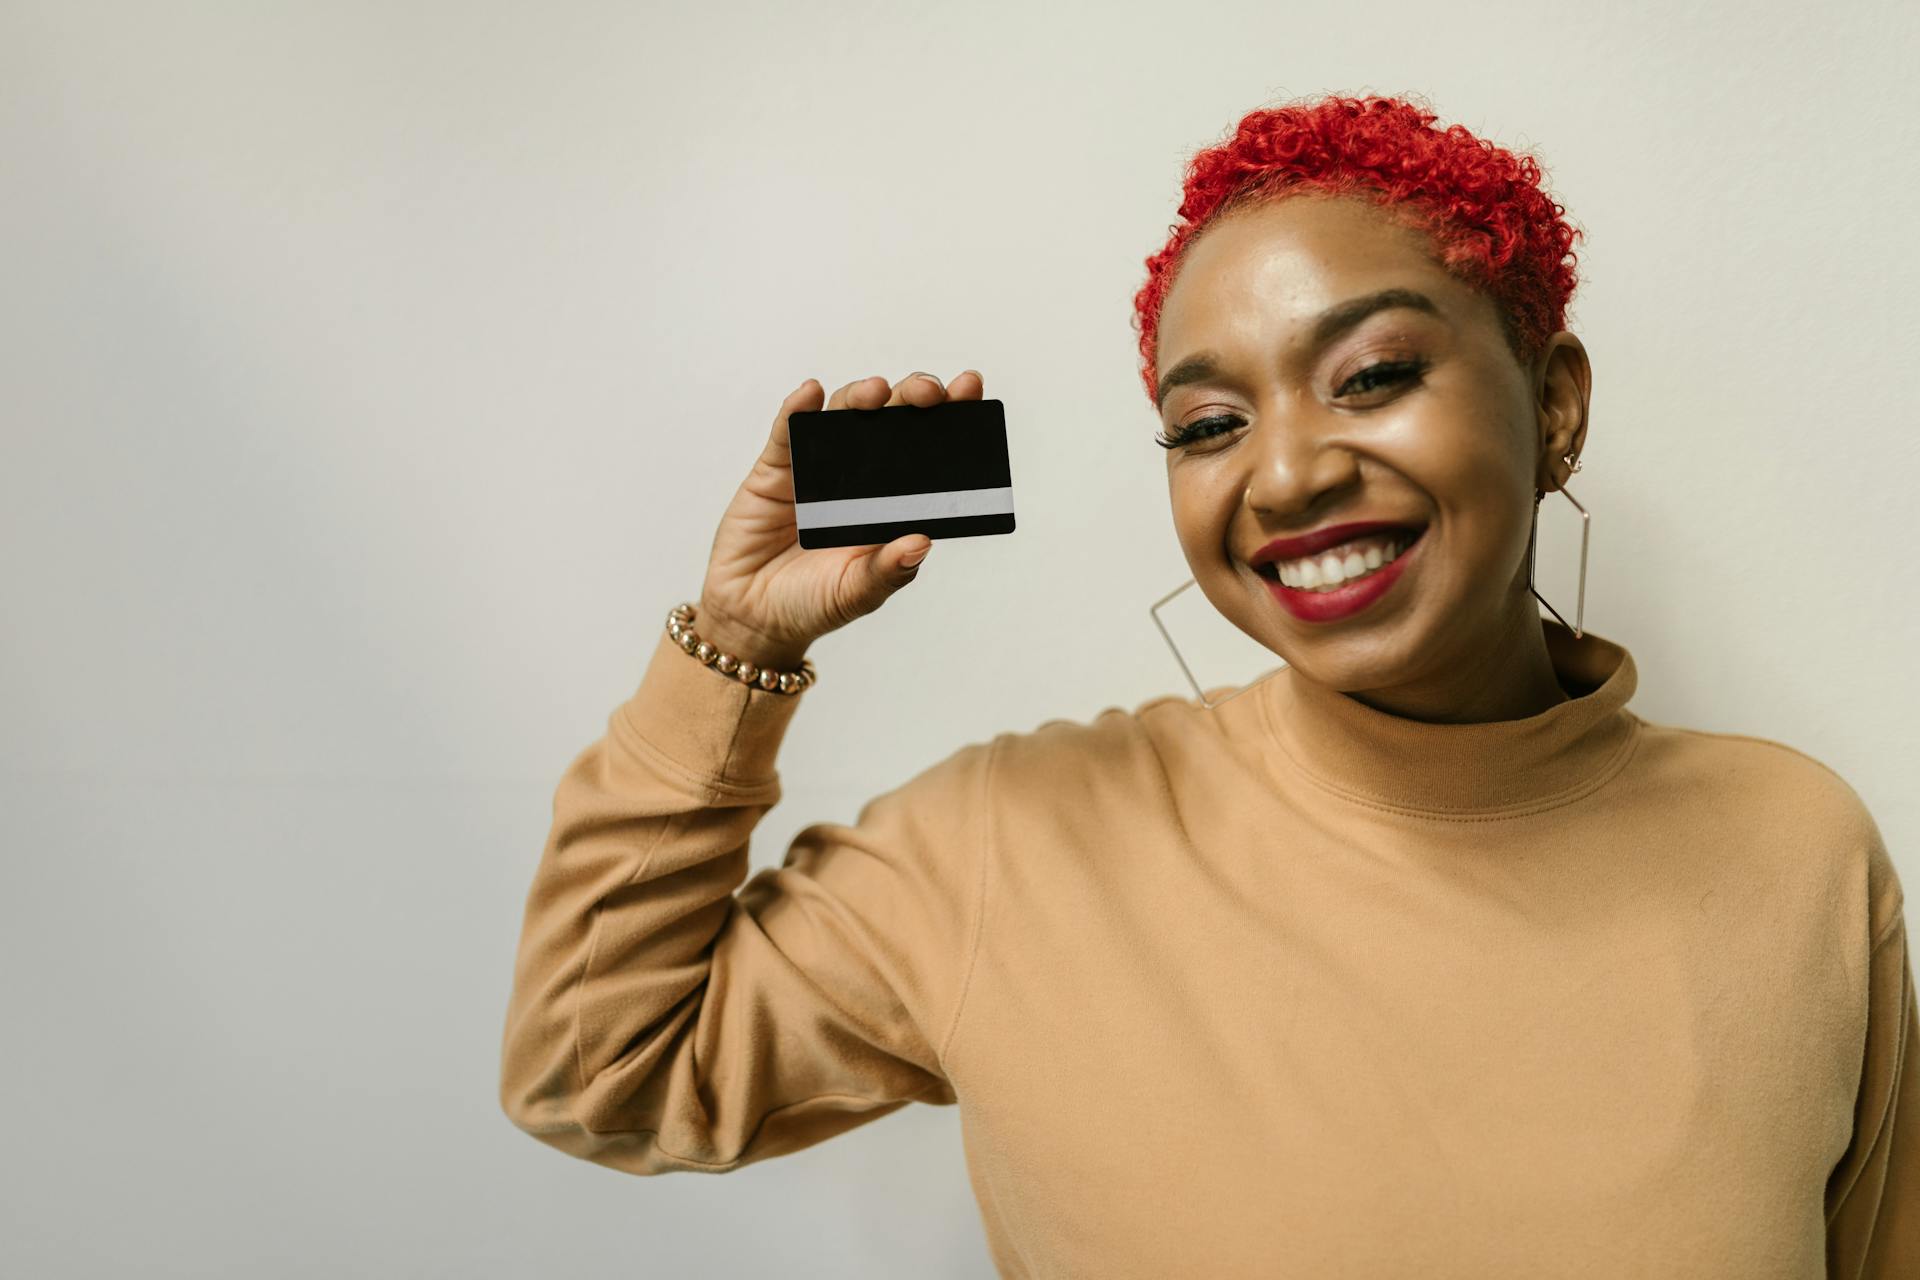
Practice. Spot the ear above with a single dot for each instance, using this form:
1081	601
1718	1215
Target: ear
1563	383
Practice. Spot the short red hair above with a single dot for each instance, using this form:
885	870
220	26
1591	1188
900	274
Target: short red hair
1491	224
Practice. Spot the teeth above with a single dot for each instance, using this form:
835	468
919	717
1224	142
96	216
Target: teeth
1344	563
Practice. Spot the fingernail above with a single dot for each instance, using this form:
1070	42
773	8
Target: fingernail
913	558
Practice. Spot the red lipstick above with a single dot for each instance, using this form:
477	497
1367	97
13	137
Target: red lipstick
1312	544
1348	598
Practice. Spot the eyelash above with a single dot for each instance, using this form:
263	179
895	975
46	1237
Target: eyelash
1401	371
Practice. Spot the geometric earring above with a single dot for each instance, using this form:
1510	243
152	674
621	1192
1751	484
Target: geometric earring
1153	611
1586	525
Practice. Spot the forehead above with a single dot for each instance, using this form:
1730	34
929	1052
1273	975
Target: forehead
1260	272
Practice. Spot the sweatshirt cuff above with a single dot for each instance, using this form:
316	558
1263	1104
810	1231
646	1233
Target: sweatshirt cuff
710	725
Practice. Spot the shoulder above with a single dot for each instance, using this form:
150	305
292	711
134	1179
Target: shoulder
1801	801
1116	734
1137	749
1059	760
1742	764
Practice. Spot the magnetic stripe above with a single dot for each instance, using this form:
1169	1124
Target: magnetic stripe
903	506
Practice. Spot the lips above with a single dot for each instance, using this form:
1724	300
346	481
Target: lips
1319	540
1347	599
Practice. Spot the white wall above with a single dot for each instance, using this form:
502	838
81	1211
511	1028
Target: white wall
372	376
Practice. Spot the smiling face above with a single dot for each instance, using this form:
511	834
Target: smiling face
1412	415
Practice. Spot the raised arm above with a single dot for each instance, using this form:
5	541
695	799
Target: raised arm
662	1021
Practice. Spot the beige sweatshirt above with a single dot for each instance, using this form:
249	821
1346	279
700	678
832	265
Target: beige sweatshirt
1288	987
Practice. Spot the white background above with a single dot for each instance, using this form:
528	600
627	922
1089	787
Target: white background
372	377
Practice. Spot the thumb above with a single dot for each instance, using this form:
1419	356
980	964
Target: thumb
910	551
895	565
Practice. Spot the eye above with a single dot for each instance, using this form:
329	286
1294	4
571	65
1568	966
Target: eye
1197	431
1387	373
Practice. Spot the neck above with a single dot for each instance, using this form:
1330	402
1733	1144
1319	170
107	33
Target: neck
1475	744
1509	679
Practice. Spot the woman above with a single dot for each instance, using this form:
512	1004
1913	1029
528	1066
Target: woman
1426	957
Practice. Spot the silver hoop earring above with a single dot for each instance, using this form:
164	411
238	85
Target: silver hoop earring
1153	611
1533	539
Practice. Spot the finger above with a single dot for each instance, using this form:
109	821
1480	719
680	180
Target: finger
966	385
804	398
918	389
867	393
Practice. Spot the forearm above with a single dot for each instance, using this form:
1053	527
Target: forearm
648	843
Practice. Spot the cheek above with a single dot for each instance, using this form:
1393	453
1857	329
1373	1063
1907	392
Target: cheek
1202	514
1486	502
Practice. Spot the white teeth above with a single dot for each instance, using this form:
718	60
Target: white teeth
1353	560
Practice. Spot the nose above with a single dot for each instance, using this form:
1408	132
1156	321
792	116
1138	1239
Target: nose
1292	470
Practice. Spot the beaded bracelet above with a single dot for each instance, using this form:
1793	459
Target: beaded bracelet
680	628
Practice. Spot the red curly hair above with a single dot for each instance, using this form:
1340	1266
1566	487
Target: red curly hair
1491	224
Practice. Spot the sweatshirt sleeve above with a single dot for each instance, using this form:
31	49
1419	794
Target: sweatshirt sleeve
663	1017
1873	1195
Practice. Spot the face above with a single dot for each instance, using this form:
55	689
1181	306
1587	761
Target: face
1414	416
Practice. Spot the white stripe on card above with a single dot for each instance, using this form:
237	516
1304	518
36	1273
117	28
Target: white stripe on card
903	506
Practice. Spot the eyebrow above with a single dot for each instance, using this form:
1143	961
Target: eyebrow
1205	366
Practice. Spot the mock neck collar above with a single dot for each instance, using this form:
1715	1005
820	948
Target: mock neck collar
1465	769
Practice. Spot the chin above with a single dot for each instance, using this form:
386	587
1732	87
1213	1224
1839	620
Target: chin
1357	658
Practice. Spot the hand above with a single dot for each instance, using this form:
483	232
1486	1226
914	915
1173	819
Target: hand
766	599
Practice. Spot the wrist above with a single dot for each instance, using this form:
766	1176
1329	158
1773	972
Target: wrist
746	644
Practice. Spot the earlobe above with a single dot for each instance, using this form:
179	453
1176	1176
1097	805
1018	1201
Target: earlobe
1573	461
1563	393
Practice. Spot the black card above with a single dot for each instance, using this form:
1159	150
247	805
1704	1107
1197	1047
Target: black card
865	476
